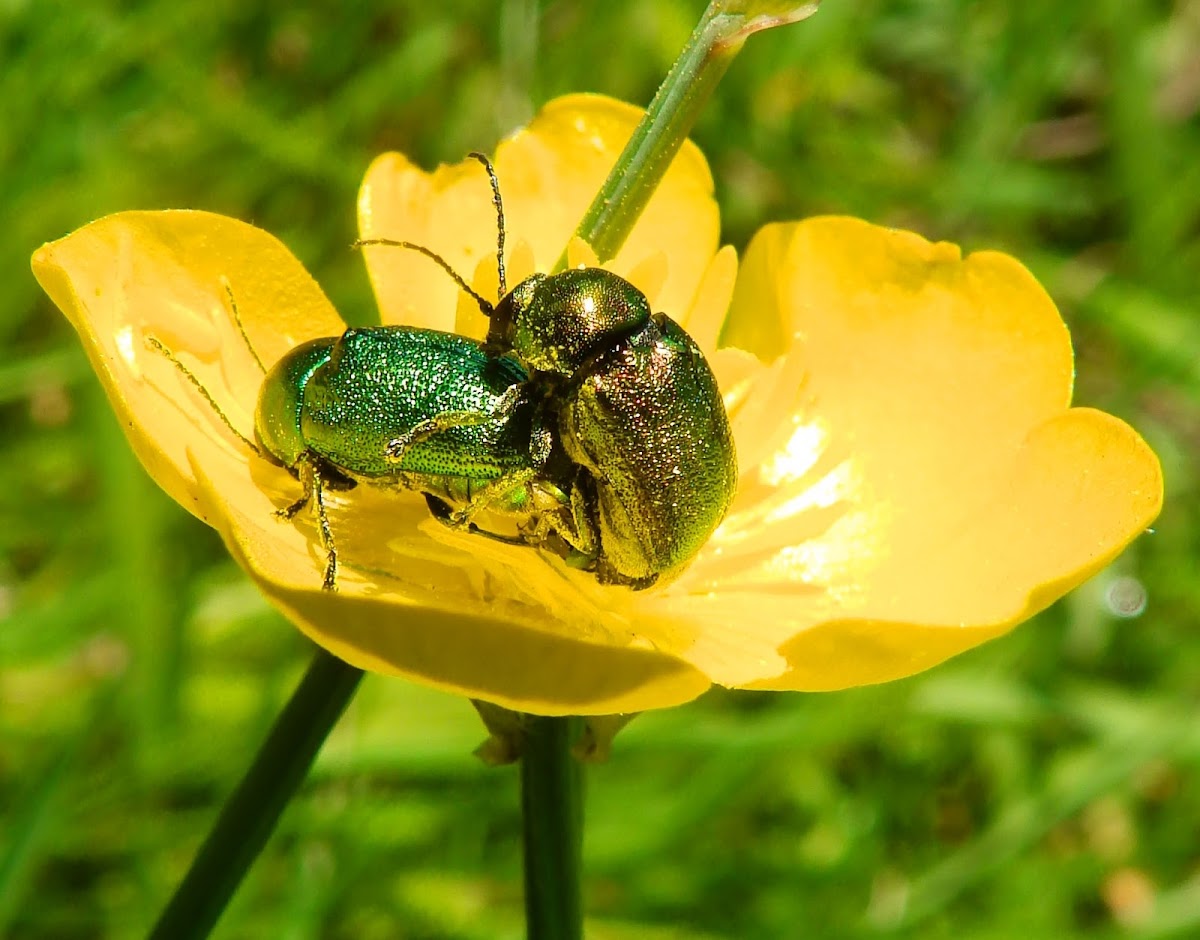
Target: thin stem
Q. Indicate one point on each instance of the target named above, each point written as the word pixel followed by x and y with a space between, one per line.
pixel 716 40
pixel 253 809
pixel 552 813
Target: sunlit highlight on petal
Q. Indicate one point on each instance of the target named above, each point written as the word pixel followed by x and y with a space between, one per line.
pixel 798 456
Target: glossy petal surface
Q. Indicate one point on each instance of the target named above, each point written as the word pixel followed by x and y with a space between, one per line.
pixel 163 275
pixel 930 487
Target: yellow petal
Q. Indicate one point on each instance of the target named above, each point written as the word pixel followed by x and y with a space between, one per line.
pixel 136 275
pixel 446 614
pixel 913 481
pixel 706 313
pixel 448 211
pixel 549 172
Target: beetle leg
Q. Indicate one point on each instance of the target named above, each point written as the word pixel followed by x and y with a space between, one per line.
pixel 288 513
pixel 442 513
pixel 313 481
pixel 587 539
pixel 331 560
pixel 423 430
pixel 541 439
pixel 572 524
pixel 491 494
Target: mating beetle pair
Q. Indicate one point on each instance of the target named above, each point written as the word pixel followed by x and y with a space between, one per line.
pixel 637 412
pixel 594 422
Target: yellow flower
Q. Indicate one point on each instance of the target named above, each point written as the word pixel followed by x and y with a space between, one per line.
pixel 912 478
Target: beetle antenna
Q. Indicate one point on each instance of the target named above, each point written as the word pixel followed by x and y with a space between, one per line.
pixel 484 305
pixel 156 344
pixel 237 318
pixel 499 204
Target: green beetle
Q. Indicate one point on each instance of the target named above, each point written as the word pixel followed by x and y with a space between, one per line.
pixel 405 407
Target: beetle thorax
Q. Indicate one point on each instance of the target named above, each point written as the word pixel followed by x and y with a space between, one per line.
pixel 568 318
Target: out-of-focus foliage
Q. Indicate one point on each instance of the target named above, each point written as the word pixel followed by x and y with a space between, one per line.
pixel 1045 785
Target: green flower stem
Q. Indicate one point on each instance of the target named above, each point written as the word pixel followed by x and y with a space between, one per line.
pixel 717 38
pixel 552 812
pixel 251 812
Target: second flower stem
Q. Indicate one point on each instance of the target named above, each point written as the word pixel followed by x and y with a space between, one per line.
pixel 253 809
pixel 552 815
pixel 710 49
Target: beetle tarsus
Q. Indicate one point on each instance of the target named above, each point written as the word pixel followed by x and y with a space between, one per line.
pixel 288 513
pixel 442 512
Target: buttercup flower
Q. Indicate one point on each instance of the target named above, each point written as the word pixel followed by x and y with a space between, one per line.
pixel 913 480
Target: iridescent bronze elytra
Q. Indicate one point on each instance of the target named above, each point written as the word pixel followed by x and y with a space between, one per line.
pixel 637 411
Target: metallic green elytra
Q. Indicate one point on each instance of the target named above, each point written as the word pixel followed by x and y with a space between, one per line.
pixel 389 401
pixel 411 408
pixel 637 411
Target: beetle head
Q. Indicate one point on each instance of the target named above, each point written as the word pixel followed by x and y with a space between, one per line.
pixel 555 323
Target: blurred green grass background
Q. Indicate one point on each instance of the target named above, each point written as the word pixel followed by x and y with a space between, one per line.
pixel 1043 786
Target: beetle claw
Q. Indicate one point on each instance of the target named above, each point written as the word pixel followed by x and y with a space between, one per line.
pixel 331 568
pixel 288 513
